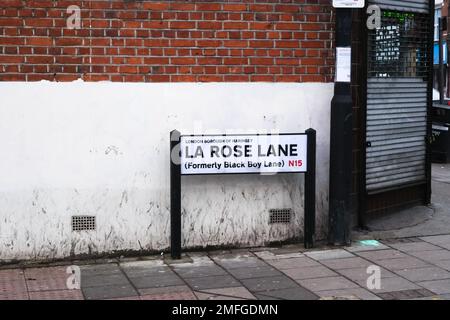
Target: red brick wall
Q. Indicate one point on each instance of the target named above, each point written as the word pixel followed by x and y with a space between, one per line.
pixel 159 41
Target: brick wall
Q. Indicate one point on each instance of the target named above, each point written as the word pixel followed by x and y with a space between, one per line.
pixel 162 41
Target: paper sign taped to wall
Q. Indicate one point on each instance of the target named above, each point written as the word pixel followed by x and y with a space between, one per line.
pixel 343 64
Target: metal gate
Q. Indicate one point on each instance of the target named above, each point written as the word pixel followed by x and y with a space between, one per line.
pixel 398 74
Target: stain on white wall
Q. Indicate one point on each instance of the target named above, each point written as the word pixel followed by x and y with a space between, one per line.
pixel 102 149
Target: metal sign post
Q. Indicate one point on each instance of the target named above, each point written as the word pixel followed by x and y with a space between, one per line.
pixel 175 195
pixel 240 154
pixel 341 128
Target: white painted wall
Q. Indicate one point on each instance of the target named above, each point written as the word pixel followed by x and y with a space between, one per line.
pixel 103 149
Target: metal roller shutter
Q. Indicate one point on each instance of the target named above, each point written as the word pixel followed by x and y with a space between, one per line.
pixel 397 93
pixel 396 130
pixel 403 5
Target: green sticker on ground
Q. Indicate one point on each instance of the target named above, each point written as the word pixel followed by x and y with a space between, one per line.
pixel 373 243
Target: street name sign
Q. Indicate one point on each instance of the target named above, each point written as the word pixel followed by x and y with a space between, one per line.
pixel 235 154
pixel 348 3
pixel 242 153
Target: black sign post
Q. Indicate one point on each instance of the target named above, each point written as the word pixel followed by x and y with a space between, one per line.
pixel 310 191
pixel 175 192
pixel 175 195
pixel 341 143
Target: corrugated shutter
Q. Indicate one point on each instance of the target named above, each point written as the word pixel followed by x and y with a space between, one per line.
pixel 420 6
pixel 396 130
pixel 397 96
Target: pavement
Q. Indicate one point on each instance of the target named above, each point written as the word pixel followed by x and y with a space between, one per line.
pixel 410 251
pixel 417 221
pixel 412 268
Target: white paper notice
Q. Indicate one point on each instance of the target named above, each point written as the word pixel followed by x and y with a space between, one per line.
pixel 343 64
pixel 348 3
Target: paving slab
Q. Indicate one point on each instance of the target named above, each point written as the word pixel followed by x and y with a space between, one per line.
pixel 359 293
pixel 402 263
pixel 213 282
pixel 153 272
pixel 103 280
pixel 265 255
pixel 347 263
pixel 432 255
pixel 13 286
pixel 236 292
pixel 145 268
pixel 256 272
pixel 109 292
pixel 289 255
pixel 309 272
pixel 406 294
pixel 269 283
pixel 163 290
pixel 293 263
pixel 424 274
pixel 126 298
pixel 53 278
pixel 261 296
pixel 157 281
pixel 291 248
pixel 355 274
pixel 99 269
pixel 240 262
pixel 434 298
pixel 444 264
pixel 438 240
pixel 11 274
pixel 437 286
pixel 185 295
pixel 328 283
pixel 145 264
pixel 14 295
pixel 390 284
pixel 57 295
pixel 329 254
pixel 212 296
pixel 413 246
pixel 297 293
pixel 382 254
pixel 199 271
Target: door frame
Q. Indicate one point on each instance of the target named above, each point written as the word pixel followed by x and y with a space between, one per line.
pixel 363 197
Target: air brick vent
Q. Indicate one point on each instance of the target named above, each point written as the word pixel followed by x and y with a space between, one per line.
pixel 280 216
pixel 83 223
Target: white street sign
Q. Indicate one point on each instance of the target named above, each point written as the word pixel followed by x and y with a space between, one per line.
pixel 348 3
pixel 226 154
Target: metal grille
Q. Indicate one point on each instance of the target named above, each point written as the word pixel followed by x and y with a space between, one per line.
pixel 397 91
pixel 280 216
pixel 400 47
pixel 82 223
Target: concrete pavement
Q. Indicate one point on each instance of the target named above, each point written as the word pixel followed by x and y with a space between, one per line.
pixel 412 268
pixel 417 221
pixel 413 258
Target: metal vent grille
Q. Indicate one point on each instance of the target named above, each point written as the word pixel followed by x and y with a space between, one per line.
pixel 83 223
pixel 280 216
